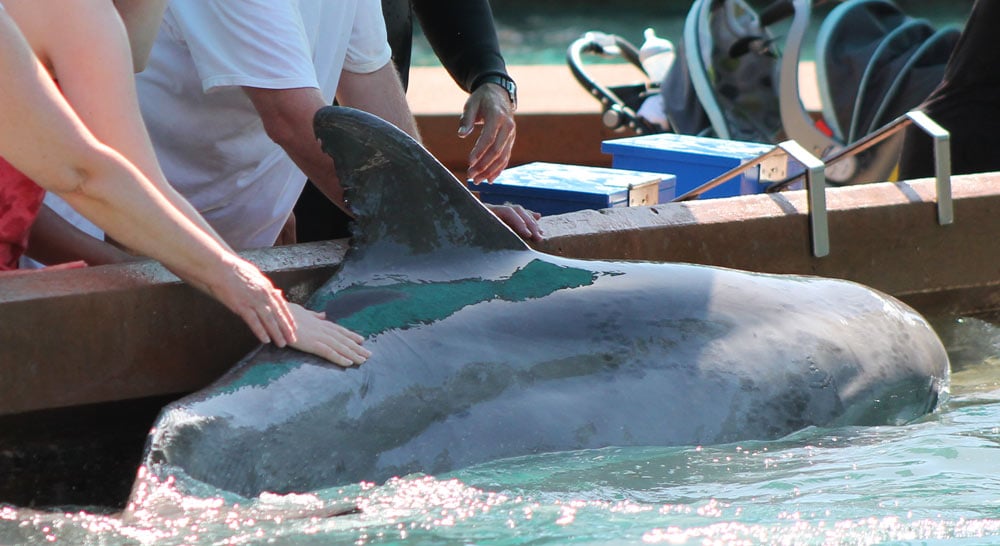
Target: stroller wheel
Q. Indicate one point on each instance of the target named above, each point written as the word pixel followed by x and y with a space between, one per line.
pixel 614 117
pixel 841 172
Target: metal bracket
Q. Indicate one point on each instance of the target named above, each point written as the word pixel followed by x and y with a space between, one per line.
pixel 942 163
pixel 819 227
pixel 942 157
pixel 815 175
pixel 815 189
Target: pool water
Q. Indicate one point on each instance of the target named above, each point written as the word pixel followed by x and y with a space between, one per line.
pixel 533 33
pixel 930 482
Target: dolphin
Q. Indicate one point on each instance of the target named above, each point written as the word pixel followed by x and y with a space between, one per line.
pixel 484 348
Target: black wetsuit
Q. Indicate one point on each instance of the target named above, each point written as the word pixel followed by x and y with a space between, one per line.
pixel 464 38
pixel 966 103
pixel 461 32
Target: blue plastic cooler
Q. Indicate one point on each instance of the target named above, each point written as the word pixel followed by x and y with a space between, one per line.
pixel 693 160
pixel 554 188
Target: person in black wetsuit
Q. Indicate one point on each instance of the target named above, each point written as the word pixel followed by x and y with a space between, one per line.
pixel 966 103
pixel 464 38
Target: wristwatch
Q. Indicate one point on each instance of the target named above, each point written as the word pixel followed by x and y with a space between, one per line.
pixel 503 81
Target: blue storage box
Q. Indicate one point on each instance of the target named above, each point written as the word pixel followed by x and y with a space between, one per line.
pixel 553 188
pixel 693 160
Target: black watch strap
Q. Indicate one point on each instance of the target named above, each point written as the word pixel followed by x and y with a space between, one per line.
pixel 503 81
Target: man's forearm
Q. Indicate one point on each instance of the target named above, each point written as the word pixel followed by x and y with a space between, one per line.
pixel 463 35
pixel 379 93
pixel 288 116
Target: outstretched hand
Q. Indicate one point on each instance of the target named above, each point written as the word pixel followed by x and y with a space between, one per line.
pixel 326 339
pixel 489 105
pixel 252 296
pixel 524 222
pixel 249 294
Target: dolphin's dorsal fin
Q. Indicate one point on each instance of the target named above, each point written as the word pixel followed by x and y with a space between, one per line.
pixel 405 201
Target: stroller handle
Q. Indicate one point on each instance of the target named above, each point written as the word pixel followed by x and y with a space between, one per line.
pixel 608 45
pixel 616 113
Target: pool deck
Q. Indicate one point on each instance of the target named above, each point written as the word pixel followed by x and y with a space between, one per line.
pixel 163 337
pixel 557 119
pixel 168 338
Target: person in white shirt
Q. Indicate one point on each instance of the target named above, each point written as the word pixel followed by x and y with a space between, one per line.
pixel 225 77
pixel 230 92
pixel 228 97
pixel 464 38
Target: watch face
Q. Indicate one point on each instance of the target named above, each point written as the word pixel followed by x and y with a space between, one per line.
pixel 511 88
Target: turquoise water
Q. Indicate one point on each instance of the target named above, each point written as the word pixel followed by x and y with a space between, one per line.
pixel 930 482
pixel 535 33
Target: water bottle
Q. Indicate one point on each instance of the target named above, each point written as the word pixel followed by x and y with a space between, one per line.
pixel 656 55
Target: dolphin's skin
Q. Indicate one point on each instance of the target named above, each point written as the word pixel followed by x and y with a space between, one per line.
pixel 483 348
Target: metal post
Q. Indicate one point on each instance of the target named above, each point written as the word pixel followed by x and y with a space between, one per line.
pixel 819 227
pixel 815 189
pixel 942 163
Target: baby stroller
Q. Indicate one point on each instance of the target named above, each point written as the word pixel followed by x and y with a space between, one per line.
pixel 731 79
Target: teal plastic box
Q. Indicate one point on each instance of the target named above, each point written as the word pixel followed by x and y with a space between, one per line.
pixel 693 160
pixel 554 188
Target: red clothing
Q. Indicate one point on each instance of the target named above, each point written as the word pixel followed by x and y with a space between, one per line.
pixel 20 199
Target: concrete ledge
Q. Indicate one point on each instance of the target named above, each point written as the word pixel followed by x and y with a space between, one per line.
pixel 101 334
pixel 882 235
pixel 129 331
pixel 111 333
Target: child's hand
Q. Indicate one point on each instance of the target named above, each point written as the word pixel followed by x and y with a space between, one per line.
pixel 323 338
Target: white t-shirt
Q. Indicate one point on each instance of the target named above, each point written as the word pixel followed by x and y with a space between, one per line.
pixel 208 137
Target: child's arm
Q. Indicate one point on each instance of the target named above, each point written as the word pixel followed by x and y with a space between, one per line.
pixel 53 239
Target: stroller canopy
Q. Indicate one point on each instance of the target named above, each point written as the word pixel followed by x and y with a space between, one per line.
pixel 724 83
pixel 874 63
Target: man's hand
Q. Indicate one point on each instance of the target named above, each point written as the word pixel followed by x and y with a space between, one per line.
pixel 523 221
pixel 489 105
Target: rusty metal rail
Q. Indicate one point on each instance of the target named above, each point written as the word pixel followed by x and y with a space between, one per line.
pixel 815 189
pixel 815 179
